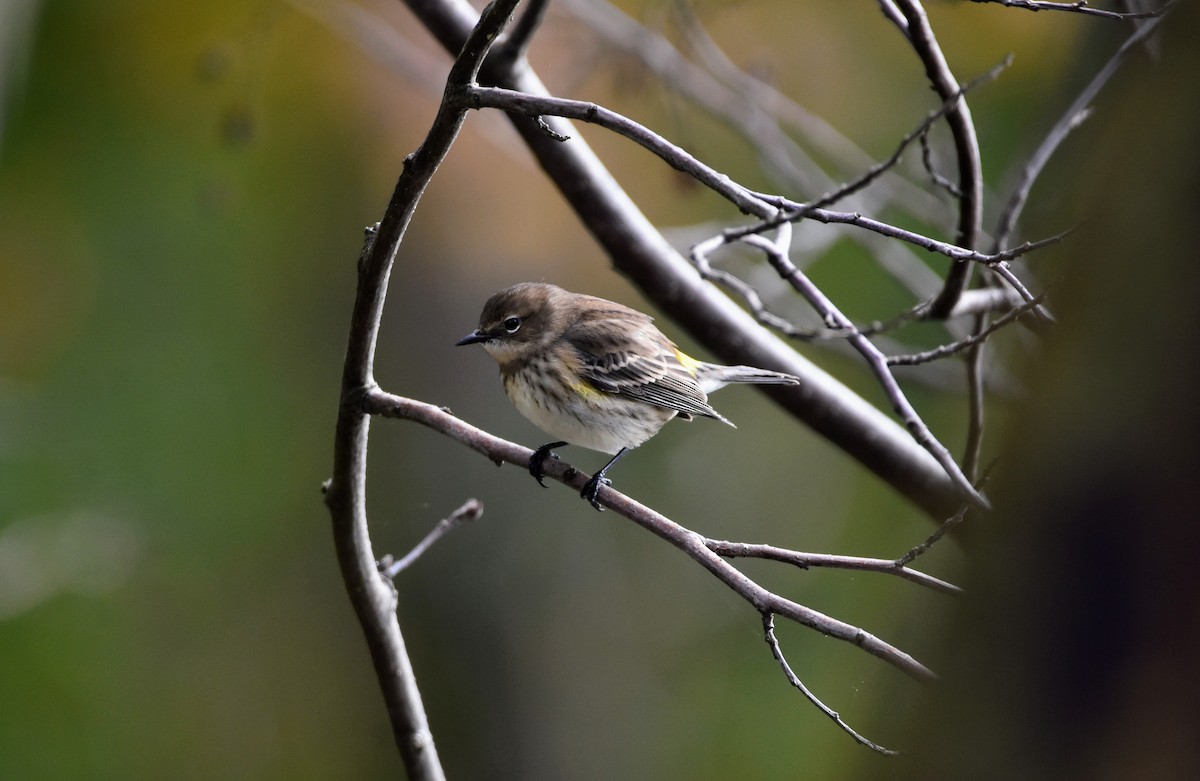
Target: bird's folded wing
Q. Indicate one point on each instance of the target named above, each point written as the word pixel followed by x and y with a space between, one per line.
pixel 640 368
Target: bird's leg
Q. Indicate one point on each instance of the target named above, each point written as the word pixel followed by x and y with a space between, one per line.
pixel 592 487
pixel 540 455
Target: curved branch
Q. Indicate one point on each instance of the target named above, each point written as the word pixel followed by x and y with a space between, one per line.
pixel 966 147
pixel 373 597
pixel 777 651
pixel 501 451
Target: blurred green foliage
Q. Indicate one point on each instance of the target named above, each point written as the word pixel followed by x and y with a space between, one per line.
pixel 182 192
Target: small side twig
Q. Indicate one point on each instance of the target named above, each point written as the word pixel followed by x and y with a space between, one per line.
pixel 470 511
pixel 769 635
pixel 976 338
pixel 1079 7
pixel 924 546
pixel 804 560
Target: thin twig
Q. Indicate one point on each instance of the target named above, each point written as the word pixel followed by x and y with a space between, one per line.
pixel 1079 7
pixel 930 168
pixel 920 132
pixel 931 540
pixel 1075 114
pixel 805 560
pixel 769 635
pixel 976 396
pixel 794 211
pixel 470 511
pixel 977 337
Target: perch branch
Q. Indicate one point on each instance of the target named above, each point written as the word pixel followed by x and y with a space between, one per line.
pixel 501 451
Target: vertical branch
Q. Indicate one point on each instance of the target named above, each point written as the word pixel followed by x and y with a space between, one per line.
pixel 966 147
pixel 373 598
pixel 976 389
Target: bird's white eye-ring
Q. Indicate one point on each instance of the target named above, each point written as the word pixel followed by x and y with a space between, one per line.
pixel 512 324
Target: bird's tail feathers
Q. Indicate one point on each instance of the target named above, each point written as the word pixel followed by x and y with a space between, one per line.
pixel 712 376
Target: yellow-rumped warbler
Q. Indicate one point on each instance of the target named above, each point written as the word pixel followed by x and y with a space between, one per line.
pixel 594 373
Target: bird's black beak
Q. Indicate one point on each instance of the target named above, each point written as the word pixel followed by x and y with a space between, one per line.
pixel 478 335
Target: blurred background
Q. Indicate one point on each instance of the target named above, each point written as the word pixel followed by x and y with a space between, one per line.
pixel 183 189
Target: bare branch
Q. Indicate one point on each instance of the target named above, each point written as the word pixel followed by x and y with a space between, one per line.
pixel 516 45
pixel 966 145
pixel 976 338
pixel 935 176
pixel 372 596
pixel 976 390
pixel 1079 7
pixel 470 511
pixel 794 680
pixel 501 451
pixel 746 200
pixel 535 106
pixel 805 560
pixel 931 540
pixel 920 132
pixel 748 105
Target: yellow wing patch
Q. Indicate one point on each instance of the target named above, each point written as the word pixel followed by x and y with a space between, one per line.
pixel 688 362
pixel 585 390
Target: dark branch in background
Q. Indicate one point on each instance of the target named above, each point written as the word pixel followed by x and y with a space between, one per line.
pixel 1075 115
pixel 372 596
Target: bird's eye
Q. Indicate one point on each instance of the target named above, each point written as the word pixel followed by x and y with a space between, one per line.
pixel 512 324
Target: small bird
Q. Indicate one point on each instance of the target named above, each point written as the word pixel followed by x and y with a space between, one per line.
pixel 594 373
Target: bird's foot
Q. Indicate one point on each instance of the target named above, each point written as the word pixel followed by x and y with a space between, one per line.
pixel 592 488
pixel 538 457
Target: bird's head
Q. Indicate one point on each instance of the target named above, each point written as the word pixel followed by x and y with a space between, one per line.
pixel 520 321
